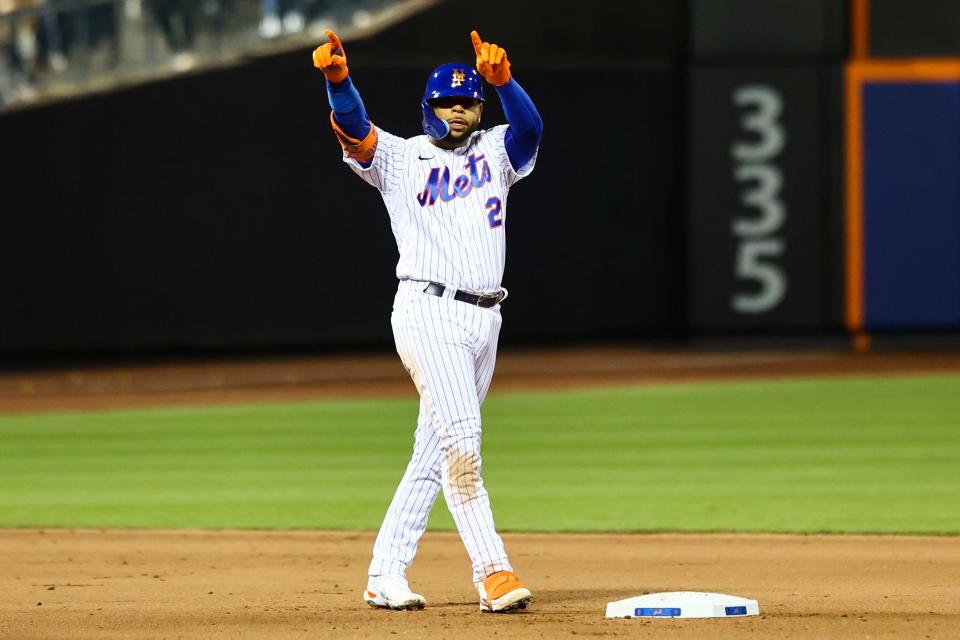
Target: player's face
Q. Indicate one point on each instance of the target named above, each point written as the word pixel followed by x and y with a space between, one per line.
pixel 461 114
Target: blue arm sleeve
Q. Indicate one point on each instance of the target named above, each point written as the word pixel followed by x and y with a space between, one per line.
pixel 348 108
pixel 526 127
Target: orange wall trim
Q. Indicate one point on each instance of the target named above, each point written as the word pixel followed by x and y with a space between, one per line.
pixel 854 198
pixel 860 28
pixel 859 72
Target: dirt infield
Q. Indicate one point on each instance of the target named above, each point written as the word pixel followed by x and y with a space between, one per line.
pixel 148 584
pixel 130 585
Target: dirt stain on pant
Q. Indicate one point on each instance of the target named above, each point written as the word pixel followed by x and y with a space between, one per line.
pixel 462 467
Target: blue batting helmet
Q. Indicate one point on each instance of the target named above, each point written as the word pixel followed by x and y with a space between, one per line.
pixel 451 79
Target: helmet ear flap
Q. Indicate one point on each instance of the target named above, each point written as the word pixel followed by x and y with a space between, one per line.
pixel 432 125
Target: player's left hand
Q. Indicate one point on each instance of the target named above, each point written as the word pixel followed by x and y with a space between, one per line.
pixel 492 61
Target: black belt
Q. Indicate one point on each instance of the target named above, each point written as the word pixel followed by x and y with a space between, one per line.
pixel 437 289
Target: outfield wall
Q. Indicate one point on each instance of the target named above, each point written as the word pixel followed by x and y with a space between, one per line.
pixel 691 182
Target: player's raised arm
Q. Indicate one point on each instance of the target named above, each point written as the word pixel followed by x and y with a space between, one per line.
pixel 349 119
pixel 526 126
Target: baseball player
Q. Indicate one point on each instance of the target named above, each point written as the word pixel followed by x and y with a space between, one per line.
pixel 446 194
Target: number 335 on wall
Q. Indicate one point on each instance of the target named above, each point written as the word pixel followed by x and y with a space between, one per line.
pixel 760 181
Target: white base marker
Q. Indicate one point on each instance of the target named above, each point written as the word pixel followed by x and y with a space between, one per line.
pixel 683 604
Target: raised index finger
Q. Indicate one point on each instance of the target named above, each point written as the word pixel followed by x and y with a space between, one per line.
pixel 334 40
pixel 477 42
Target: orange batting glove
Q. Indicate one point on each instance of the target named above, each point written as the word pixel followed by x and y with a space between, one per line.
pixel 492 61
pixel 327 59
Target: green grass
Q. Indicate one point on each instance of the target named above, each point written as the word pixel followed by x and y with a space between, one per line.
pixel 843 455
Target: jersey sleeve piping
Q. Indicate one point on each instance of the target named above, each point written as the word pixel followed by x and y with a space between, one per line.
pixel 360 150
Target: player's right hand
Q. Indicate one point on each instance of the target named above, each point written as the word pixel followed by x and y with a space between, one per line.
pixel 331 59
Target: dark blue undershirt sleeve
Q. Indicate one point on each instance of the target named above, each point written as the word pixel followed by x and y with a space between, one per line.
pixel 526 127
pixel 348 108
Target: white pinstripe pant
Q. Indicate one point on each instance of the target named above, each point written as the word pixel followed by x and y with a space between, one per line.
pixel 449 348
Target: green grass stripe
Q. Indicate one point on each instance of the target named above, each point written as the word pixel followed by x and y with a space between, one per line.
pixel 841 455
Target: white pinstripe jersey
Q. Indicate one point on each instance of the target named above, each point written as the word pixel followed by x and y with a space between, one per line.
pixel 448 208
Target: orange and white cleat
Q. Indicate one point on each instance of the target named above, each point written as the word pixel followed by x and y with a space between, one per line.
pixel 502 592
pixel 392 592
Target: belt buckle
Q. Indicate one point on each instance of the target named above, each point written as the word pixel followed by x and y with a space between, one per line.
pixel 493 299
pixel 481 300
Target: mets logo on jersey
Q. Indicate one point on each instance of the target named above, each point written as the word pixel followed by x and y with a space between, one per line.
pixel 458 77
pixel 438 183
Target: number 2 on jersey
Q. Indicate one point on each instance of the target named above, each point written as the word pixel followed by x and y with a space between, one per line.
pixel 493 215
